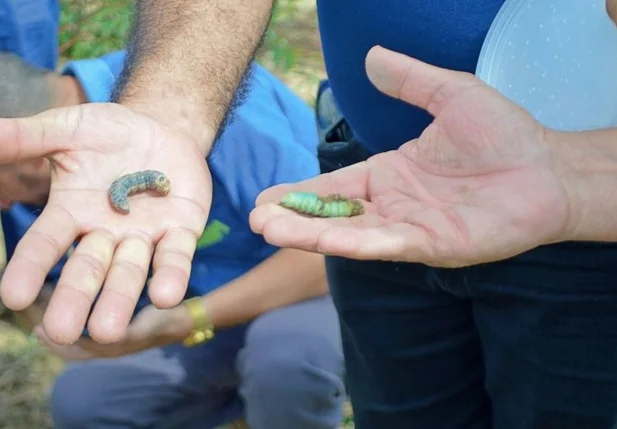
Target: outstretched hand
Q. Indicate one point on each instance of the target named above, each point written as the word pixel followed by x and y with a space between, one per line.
pixel 477 186
pixel 89 146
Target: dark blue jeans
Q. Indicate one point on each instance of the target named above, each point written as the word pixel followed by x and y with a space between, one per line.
pixel 529 342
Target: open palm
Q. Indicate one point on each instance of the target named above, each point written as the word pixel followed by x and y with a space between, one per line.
pixel 476 186
pixel 89 147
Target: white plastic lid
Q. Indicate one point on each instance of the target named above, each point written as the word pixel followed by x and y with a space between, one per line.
pixel 556 58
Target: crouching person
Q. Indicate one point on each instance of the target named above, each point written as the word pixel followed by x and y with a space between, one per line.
pixel 270 350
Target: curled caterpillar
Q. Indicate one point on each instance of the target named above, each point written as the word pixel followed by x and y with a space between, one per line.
pixel 333 205
pixel 129 184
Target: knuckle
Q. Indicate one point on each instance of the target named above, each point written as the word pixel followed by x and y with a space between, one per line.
pixel 86 294
pixel 98 259
pixel 172 258
pixel 134 250
pixel 180 239
pixel 50 245
pixel 129 270
pixel 94 265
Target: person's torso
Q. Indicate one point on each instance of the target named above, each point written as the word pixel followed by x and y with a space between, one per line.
pixel 29 28
pixel 446 33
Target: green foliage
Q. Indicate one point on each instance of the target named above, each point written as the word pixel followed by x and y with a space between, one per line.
pixel 277 47
pixel 93 28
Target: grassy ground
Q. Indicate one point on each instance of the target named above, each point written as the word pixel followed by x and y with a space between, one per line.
pixel 26 370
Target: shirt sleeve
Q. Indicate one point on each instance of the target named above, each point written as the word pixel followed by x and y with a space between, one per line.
pixel 97 76
pixel 272 139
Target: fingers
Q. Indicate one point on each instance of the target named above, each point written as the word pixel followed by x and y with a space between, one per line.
pixel 287 229
pixel 78 285
pixel 35 255
pixel 35 136
pixel 123 286
pixel 414 81
pixel 279 225
pixel 95 260
pixel 172 267
pixel 349 181
pixel 73 352
pixel 366 237
pixel 394 242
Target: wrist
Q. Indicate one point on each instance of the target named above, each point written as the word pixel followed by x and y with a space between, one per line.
pixel 586 164
pixel 181 323
pixel 561 148
pixel 68 91
pixel 179 114
pixel 197 324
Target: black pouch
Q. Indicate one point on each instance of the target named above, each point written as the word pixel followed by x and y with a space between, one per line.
pixel 338 147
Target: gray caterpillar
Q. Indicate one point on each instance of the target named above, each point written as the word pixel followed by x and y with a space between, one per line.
pixel 129 184
pixel 333 205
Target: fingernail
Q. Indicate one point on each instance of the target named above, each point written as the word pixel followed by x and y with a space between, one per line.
pixel 376 68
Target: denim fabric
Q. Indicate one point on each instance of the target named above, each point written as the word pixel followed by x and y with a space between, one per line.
pixel 521 344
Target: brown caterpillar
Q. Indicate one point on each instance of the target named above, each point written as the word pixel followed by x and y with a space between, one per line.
pixel 129 184
pixel 333 205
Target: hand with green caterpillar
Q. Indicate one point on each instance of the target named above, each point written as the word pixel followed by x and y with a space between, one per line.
pixel 483 182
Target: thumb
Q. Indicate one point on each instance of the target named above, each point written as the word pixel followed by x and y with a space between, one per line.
pixel 416 82
pixel 35 136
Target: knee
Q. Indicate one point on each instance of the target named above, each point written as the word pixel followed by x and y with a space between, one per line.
pixel 301 372
pixel 73 399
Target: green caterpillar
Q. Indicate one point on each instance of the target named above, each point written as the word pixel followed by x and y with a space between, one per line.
pixel 333 205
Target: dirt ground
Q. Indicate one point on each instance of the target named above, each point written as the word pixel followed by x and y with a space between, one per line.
pixel 26 370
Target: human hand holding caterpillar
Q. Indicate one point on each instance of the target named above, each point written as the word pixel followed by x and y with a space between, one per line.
pixel 484 182
pixel 90 146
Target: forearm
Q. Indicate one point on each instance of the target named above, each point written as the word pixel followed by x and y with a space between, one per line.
pixel 287 277
pixel 587 164
pixel 186 59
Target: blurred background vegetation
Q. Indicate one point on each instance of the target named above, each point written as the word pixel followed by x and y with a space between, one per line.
pixel 91 28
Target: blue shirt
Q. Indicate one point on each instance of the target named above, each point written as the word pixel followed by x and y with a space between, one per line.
pixel 272 139
pixel 29 28
pixel 446 33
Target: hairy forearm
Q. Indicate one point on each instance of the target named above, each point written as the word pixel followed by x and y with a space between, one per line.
pixel 287 277
pixel 186 59
pixel 587 164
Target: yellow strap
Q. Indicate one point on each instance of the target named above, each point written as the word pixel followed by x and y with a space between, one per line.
pixel 203 330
